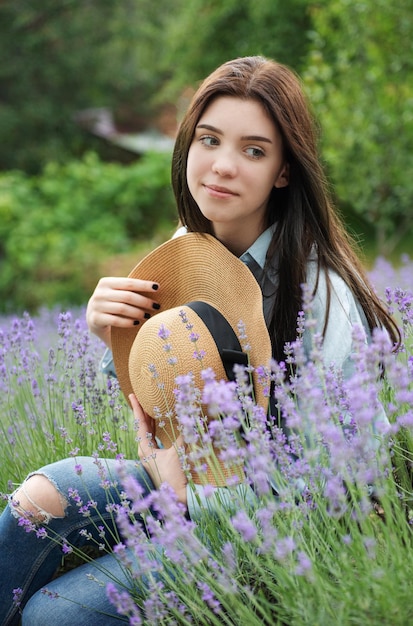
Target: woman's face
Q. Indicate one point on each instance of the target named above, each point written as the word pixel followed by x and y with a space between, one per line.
pixel 234 161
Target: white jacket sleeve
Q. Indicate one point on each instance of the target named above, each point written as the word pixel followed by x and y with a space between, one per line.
pixel 344 315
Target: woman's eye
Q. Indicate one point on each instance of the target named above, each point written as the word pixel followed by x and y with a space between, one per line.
pixel 255 153
pixel 208 140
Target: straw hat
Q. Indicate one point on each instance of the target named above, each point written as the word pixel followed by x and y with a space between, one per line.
pixel 201 282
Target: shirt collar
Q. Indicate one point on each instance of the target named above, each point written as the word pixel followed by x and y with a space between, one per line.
pixel 259 248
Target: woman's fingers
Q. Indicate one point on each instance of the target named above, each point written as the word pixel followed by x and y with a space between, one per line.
pixel 120 302
pixel 111 294
pixel 146 428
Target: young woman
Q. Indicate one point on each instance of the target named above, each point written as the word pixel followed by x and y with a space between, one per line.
pixel 245 170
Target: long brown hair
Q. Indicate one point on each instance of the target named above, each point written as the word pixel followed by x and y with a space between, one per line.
pixel 303 210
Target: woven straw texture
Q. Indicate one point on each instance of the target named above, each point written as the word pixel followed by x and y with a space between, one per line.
pixel 153 376
pixel 198 267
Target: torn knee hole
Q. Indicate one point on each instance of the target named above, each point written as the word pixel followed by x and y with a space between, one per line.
pixel 39 500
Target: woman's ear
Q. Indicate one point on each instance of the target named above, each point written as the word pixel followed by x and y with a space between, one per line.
pixel 283 177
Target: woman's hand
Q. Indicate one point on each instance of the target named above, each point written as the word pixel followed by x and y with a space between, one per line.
pixel 162 464
pixel 120 302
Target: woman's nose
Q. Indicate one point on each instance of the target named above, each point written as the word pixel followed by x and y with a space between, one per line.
pixel 224 164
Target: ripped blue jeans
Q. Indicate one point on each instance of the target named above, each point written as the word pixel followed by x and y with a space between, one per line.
pixel 29 563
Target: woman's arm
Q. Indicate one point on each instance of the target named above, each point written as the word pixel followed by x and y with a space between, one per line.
pixel 162 464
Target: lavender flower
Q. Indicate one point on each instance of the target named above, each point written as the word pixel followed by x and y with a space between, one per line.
pixel 318 467
pixel 244 526
pixel 17 596
pixel 124 604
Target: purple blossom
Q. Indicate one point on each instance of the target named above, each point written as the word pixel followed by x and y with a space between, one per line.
pixel 124 603
pixel 17 596
pixel 41 533
pixel 221 398
pixel 284 548
pixel 53 595
pixel 188 409
pixel 66 548
pixel 244 526
pixel 27 524
pixel 133 489
pixel 199 355
pixel 209 597
pixel 110 445
pixel 163 332
pixel 304 564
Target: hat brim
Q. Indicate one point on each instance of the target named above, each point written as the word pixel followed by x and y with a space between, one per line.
pixel 196 266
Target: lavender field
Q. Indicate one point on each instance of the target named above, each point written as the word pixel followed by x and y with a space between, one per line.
pixel 335 547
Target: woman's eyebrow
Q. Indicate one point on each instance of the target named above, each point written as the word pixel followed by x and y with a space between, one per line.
pixel 255 138
pixel 211 128
pixel 243 138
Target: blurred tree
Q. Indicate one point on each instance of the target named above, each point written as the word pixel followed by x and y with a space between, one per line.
pixel 360 79
pixel 209 32
pixel 61 57
pixel 57 228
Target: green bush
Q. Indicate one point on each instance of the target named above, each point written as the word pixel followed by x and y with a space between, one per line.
pixel 56 228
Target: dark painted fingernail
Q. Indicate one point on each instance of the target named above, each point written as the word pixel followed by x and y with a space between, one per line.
pixel 135 322
pixel 155 287
pixel 147 316
pixel 156 306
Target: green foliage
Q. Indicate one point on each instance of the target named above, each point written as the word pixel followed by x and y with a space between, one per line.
pixel 360 79
pixel 230 29
pixel 66 56
pixel 131 57
pixel 70 56
pixel 55 228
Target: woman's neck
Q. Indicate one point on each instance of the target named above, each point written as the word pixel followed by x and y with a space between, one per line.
pixel 237 241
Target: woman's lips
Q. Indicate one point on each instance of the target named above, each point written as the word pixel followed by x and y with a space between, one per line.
pixel 219 192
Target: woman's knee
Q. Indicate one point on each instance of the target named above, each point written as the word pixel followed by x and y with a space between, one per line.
pixel 39 500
